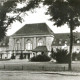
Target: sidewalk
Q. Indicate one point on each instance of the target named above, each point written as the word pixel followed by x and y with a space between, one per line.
pixel 65 73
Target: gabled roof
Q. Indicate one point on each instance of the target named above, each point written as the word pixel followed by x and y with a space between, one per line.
pixel 65 37
pixel 40 49
pixel 34 29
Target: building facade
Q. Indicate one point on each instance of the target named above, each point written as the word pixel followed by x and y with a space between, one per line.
pixel 4 47
pixel 62 40
pixel 30 39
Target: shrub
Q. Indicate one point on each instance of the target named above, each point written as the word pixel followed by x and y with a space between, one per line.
pixel 74 56
pixel 21 56
pixel 53 54
pixel 78 56
pixel 61 56
pixel 40 58
pixel 12 56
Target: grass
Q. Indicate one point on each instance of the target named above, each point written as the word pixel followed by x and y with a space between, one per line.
pixel 36 66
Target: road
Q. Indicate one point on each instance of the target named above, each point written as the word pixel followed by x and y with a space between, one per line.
pixel 33 75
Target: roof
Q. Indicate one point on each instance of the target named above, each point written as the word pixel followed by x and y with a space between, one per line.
pixel 34 29
pixel 4 42
pixel 65 37
pixel 40 49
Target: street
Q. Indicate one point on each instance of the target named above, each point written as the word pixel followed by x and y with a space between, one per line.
pixel 33 75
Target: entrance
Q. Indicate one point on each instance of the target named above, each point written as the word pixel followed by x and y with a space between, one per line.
pixel 27 56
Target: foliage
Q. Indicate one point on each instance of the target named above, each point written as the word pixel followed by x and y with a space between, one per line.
pixel 12 56
pixel 74 56
pixel 8 6
pixel 61 56
pixel 53 53
pixel 21 56
pixel 40 58
pixel 61 11
pixel 78 56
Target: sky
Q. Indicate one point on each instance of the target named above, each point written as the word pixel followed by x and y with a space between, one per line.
pixel 38 17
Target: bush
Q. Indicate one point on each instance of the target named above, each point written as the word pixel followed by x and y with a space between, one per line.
pixel 61 56
pixel 12 56
pixel 78 56
pixel 74 56
pixel 21 56
pixel 53 54
pixel 40 58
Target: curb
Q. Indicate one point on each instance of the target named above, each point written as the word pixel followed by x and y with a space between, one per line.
pixel 60 73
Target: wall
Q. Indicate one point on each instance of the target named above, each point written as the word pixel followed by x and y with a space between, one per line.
pixel 49 42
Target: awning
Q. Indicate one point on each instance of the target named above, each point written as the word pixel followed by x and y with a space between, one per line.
pixel 40 49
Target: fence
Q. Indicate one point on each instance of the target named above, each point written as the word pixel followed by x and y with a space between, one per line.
pixel 33 68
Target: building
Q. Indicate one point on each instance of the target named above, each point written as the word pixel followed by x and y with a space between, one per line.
pixel 31 39
pixel 4 47
pixel 62 40
pixel 2 2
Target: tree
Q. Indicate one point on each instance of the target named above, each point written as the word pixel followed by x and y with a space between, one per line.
pixel 8 6
pixel 53 54
pixel 21 56
pixel 61 11
pixel 65 12
pixel 61 56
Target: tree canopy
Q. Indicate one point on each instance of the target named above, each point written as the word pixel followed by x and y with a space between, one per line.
pixel 61 11
pixel 9 6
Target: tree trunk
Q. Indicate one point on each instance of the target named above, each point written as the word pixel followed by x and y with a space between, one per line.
pixel 71 44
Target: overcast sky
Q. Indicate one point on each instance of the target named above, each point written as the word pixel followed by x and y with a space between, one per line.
pixel 38 17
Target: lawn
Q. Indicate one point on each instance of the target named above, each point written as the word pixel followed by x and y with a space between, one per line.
pixel 36 66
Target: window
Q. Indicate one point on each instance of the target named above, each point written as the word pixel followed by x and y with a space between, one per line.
pixel 40 42
pixel 66 42
pixel 18 44
pixel 28 45
pixel 78 41
pixel 4 44
pixel 59 42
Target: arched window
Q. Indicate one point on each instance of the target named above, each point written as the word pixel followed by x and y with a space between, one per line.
pixel 40 42
pixel 28 45
pixel 18 44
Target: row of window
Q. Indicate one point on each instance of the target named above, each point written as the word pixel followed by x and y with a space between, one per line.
pixel 28 45
pixel 3 44
pixel 60 42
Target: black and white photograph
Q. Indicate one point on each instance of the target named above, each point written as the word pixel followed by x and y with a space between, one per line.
pixel 39 39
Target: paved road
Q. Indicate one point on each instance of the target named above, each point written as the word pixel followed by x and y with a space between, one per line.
pixel 30 75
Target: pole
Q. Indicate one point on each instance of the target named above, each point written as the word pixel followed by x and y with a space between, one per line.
pixel 70 53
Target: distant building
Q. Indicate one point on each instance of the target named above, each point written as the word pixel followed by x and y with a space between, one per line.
pixel 31 39
pixel 4 47
pixel 62 40
pixel 2 2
